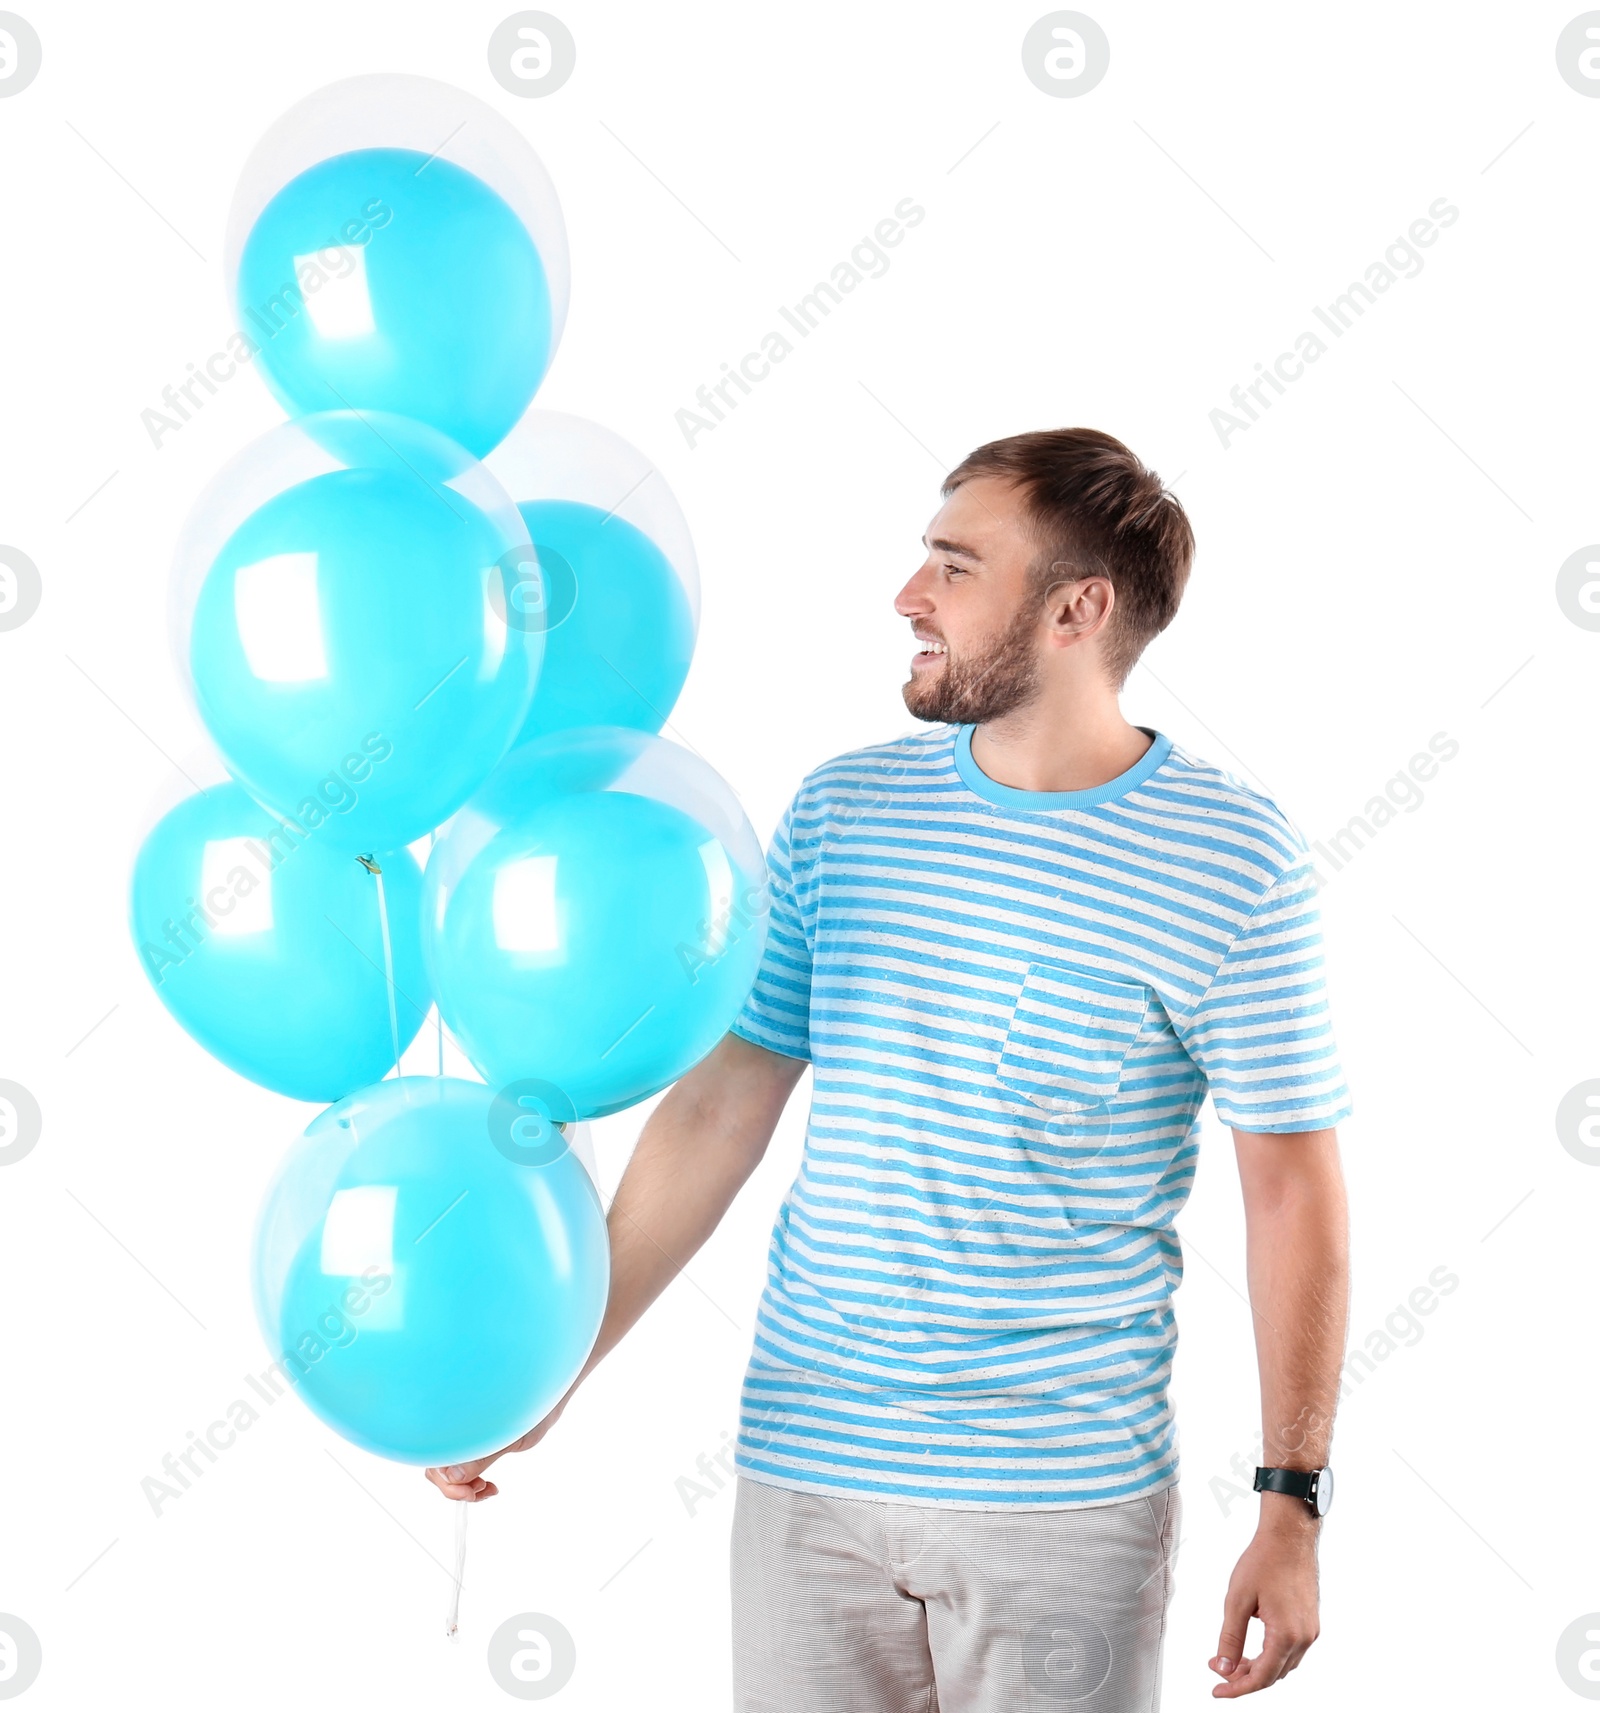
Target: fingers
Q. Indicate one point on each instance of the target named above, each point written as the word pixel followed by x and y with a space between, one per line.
pixel 465 1480
pixel 470 1487
pixel 1280 1654
pixel 1248 1676
pixel 467 1471
pixel 1237 1610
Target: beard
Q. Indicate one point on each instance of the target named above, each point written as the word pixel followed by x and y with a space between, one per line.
pixel 997 680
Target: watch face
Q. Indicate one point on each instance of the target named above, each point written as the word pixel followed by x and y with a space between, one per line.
pixel 1324 1492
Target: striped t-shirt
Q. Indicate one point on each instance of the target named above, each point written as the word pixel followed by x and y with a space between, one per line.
pixel 1014 1003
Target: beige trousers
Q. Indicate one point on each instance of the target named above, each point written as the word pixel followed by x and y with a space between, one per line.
pixel 864 1606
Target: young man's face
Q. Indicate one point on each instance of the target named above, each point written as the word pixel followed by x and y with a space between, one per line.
pixel 970 605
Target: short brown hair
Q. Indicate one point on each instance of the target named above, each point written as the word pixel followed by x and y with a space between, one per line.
pixel 1094 506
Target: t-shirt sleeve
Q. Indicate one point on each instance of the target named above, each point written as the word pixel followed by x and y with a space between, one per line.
pixel 1261 1033
pixel 777 1015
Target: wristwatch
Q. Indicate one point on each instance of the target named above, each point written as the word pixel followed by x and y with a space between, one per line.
pixel 1315 1486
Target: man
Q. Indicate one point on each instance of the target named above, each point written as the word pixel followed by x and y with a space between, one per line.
pixel 1017 950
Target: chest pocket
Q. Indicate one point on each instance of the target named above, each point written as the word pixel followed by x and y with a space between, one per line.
pixel 1069 1034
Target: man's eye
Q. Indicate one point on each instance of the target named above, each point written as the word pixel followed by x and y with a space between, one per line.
pixel 957 570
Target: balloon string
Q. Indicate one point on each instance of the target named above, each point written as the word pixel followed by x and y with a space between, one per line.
pixel 453 1622
pixel 370 864
pixel 438 1014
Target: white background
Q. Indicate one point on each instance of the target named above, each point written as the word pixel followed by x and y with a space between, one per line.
pixel 1377 562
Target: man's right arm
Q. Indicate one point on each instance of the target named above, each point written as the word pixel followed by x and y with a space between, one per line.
pixel 693 1156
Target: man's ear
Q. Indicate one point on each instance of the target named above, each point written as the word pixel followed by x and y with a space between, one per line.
pixel 1078 607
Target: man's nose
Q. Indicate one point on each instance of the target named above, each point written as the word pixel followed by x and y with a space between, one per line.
pixel 913 600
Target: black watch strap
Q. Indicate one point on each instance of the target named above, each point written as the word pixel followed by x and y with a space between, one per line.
pixel 1315 1486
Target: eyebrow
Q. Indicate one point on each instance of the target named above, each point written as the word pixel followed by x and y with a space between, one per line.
pixel 942 545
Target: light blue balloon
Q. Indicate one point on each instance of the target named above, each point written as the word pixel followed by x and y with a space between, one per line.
pixel 594 918
pixel 384 279
pixel 268 946
pixel 349 646
pixel 430 1275
pixel 620 632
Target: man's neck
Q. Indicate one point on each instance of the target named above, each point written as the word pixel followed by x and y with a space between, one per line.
pixel 1063 748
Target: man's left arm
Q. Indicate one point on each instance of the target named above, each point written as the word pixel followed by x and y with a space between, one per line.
pixel 1298 1266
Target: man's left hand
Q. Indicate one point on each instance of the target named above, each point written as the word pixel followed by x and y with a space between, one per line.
pixel 1275 1581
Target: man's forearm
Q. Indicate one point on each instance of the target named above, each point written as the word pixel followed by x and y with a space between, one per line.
pixel 692 1158
pixel 1299 1289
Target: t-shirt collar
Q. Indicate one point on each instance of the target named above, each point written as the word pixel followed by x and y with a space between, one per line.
pixel 1008 797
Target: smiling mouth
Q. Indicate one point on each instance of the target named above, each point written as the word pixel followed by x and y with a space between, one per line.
pixel 930 652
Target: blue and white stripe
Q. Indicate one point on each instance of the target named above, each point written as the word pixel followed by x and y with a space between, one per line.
pixel 1014 1004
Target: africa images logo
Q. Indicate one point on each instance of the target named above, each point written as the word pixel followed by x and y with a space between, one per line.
pixel 1402 260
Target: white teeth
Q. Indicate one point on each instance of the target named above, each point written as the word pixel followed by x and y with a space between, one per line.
pixel 932 647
